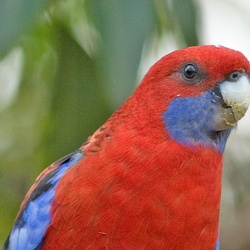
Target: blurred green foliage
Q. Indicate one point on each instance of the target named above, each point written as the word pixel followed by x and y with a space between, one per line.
pixel 78 61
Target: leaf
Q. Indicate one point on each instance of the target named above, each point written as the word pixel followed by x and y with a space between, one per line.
pixel 15 18
pixel 185 17
pixel 78 105
pixel 124 27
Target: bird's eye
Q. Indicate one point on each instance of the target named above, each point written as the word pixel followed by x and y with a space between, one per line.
pixel 190 71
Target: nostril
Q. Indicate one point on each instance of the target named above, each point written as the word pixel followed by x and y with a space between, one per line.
pixel 234 76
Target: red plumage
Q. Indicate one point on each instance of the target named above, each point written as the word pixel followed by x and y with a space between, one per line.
pixel 138 198
pixel 136 187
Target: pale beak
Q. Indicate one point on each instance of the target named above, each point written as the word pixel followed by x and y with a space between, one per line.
pixel 236 100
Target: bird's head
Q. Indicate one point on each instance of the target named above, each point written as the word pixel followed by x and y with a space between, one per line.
pixel 200 93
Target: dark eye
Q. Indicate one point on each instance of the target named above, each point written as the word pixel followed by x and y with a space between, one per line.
pixel 190 71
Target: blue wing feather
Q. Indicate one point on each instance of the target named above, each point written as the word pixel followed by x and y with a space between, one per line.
pixel 217 246
pixel 34 218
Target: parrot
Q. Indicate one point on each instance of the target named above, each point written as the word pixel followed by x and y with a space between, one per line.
pixel 150 177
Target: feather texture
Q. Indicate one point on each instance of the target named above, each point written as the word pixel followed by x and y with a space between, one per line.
pixel 150 177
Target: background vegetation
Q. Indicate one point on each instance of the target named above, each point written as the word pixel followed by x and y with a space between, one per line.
pixel 65 67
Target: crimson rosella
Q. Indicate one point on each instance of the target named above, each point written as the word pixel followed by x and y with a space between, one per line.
pixel 150 177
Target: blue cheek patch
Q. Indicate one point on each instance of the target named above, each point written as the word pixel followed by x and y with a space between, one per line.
pixel 190 121
pixel 32 222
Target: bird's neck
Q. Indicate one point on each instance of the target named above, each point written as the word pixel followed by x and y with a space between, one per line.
pixel 182 181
